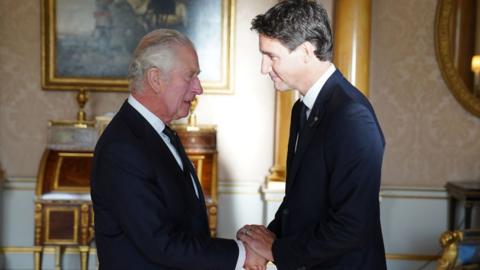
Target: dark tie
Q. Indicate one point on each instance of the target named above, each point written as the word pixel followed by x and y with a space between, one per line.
pixel 303 116
pixel 187 164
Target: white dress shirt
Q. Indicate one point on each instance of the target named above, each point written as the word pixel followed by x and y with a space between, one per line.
pixel 312 93
pixel 159 126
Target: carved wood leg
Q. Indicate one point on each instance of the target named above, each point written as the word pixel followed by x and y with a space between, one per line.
pixel 84 257
pixel 58 258
pixel 212 219
pixel 37 257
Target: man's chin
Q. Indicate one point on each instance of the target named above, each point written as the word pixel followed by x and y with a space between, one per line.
pixel 182 113
pixel 281 87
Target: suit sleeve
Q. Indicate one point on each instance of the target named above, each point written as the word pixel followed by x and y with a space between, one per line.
pixel 127 184
pixel 353 154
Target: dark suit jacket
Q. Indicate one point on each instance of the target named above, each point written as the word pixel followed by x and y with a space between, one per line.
pixel 147 215
pixel 330 217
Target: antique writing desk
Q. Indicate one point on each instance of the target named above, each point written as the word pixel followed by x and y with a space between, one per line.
pixel 63 209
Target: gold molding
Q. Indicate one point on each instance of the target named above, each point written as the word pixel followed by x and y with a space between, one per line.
pixel 41 172
pixel 442 51
pixel 56 179
pixel 411 257
pixel 46 250
pixel 50 81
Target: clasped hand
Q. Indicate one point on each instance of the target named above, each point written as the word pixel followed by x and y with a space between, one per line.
pixel 258 241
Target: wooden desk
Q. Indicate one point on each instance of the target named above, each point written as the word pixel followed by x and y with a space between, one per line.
pixel 63 209
pixel 468 192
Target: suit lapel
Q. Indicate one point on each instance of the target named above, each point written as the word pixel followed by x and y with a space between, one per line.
pixel 294 159
pixel 303 141
pixel 160 151
pixel 142 129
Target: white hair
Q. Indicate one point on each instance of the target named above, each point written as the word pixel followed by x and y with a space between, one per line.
pixel 156 49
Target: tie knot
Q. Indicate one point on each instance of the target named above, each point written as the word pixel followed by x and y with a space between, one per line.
pixel 171 134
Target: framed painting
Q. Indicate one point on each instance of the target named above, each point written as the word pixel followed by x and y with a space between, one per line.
pixel 87 44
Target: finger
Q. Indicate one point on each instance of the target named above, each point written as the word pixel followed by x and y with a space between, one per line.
pixel 263 228
pixel 265 231
pixel 245 238
pixel 240 232
pixel 257 233
pixel 248 240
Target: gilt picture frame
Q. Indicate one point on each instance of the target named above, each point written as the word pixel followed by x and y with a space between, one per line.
pixel 87 44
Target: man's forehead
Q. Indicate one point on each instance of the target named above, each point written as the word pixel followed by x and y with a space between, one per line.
pixel 266 44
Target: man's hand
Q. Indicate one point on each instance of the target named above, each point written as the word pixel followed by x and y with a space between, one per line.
pixel 254 261
pixel 258 238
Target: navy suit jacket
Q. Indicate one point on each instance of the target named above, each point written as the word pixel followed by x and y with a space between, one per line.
pixel 330 217
pixel 147 215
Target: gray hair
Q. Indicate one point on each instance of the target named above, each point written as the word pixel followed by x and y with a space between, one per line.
pixel 156 49
pixel 293 22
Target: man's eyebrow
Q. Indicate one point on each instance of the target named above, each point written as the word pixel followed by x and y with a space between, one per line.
pixel 192 73
pixel 267 53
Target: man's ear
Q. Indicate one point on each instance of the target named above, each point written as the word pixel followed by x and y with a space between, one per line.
pixel 308 50
pixel 154 79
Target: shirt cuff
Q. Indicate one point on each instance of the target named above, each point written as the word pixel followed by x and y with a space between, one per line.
pixel 241 255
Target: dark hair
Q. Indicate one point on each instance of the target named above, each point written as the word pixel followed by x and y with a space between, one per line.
pixel 293 22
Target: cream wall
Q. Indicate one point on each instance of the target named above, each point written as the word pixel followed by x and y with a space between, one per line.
pixel 430 138
pixel 245 119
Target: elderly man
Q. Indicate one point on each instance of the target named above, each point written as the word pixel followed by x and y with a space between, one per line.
pixel 149 208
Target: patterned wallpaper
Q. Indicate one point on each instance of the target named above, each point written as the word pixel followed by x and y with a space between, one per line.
pixel 431 139
pixel 24 108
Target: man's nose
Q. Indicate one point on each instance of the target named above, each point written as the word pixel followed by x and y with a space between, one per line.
pixel 197 88
pixel 266 65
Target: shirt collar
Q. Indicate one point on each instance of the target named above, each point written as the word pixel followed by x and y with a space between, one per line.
pixel 312 93
pixel 151 118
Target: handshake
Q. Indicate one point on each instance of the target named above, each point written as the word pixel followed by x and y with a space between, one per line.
pixel 258 241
